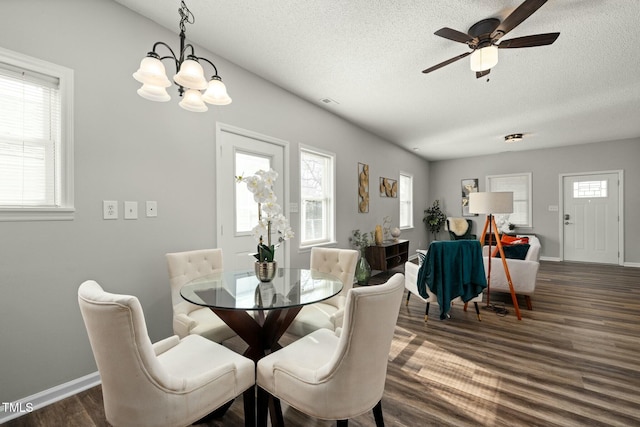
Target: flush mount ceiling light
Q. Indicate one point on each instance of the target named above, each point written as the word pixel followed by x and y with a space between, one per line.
pixel 514 137
pixel 189 74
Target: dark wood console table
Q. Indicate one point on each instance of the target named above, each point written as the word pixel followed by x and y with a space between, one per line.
pixel 388 255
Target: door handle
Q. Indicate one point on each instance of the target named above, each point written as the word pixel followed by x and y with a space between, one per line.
pixel 567 223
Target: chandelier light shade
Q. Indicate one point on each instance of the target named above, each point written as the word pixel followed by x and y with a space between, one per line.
pixel 216 93
pixel 484 58
pixel 192 101
pixel 189 74
pixel 154 93
pixel 491 203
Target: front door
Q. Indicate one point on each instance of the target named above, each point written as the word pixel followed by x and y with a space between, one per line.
pixel 241 152
pixel 590 220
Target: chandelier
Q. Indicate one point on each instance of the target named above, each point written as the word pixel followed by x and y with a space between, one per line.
pixel 189 74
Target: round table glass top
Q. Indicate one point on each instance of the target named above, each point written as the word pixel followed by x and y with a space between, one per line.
pixel 241 290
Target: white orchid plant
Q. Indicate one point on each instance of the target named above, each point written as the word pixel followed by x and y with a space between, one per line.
pixel 269 213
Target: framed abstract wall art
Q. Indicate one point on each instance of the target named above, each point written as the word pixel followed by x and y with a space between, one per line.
pixel 388 187
pixel 468 186
pixel 363 188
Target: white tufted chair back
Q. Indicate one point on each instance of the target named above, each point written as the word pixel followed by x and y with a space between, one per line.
pixel 189 265
pixel 190 318
pixel 337 262
pixel 328 313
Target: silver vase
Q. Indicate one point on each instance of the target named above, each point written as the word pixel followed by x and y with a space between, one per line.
pixel 265 271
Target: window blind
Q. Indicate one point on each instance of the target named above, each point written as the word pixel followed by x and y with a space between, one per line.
pixel 30 137
pixel 519 185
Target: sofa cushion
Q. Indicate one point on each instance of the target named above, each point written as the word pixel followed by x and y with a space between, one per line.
pixel 507 240
pixel 513 240
pixel 518 251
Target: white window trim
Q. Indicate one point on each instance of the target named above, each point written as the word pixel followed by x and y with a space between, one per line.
pixel 66 209
pixel 408 227
pixel 529 190
pixel 305 246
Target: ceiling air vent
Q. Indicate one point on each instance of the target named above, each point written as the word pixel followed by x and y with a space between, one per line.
pixel 329 101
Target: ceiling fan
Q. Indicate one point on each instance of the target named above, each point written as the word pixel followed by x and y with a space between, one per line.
pixel 483 37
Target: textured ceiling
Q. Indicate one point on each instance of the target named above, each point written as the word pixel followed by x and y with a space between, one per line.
pixel 368 56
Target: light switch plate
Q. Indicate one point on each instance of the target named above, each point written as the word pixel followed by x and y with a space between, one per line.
pixel 130 210
pixel 152 209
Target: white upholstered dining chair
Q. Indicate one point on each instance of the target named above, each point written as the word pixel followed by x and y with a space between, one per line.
pixel 337 375
pixel 190 318
pixel 327 314
pixel 173 382
pixel 411 284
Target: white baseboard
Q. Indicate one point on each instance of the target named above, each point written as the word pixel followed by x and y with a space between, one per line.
pixel 49 396
pixel 550 258
pixel 632 264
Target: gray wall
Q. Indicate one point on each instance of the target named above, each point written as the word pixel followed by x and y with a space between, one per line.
pixel 127 148
pixel 546 167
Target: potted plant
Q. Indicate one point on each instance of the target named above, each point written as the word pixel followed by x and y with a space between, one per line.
pixel 434 219
pixel 269 216
pixel 361 241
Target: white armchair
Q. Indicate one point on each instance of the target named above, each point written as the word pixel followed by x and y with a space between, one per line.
pixel 329 313
pixel 411 285
pixel 189 318
pixel 337 375
pixel 523 272
pixel 174 382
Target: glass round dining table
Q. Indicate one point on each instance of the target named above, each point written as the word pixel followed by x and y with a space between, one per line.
pixel 260 312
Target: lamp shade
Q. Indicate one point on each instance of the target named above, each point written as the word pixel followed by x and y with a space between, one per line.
pixel 152 72
pixel 191 75
pixel 485 58
pixel 216 93
pixel 154 93
pixel 192 101
pixel 491 203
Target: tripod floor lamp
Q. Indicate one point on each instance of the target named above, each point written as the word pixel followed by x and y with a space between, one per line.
pixel 492 203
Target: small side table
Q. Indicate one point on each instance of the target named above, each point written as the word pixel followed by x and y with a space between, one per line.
pixel 388 255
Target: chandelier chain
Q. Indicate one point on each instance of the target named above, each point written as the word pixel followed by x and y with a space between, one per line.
pixel 185 16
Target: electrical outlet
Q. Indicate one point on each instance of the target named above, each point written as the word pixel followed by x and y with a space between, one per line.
pixel 109 209
pixel 130 210
pixel 152 209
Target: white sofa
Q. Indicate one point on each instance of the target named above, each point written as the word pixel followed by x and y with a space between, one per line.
pixel 523 272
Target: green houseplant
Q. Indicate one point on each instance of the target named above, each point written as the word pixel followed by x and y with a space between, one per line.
pixel 434 219
pixel 361 241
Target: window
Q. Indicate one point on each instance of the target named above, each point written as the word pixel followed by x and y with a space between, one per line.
pixel 406 200
pixel 589 189
pixel 520 185
pixel 247 164
pixel 36 139
pixel 317 197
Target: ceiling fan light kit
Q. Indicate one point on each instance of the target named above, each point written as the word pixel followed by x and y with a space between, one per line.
pixel 484 37
pixel 484 59
pixel 189 74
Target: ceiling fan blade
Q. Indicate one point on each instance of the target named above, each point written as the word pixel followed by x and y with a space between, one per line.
pixel 447 62
pixel 455 35
pixel 480 74
pixel 529 41
pixel 522 12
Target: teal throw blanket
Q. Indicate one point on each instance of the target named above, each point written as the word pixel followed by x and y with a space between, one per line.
pixel 452 268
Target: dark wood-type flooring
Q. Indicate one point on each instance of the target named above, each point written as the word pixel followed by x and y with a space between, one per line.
pixel 572 361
